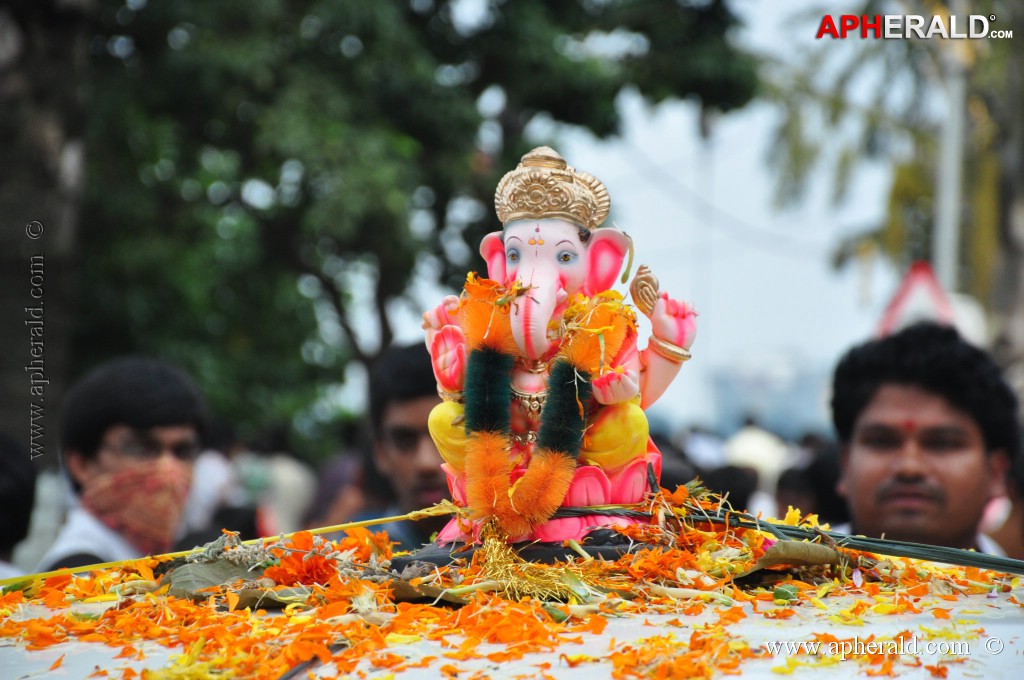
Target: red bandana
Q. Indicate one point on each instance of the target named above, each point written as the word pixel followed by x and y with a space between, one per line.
pixel 143 502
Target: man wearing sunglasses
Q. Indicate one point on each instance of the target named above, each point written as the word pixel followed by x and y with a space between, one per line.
pixel 403 391
pixel 129 435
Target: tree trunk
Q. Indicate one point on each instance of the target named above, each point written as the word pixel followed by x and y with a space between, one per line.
pixel 43 57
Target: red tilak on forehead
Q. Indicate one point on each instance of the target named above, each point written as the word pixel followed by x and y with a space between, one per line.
pixel 909 426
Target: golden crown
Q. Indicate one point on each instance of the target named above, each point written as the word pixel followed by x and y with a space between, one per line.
pixel 543 185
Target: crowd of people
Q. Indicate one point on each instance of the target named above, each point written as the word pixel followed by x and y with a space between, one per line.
pixel 926 449
pixel 761 472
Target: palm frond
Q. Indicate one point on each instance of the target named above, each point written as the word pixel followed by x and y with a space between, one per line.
pixel 882 546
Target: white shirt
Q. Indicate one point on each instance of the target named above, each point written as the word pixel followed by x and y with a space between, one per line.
pixel 988 546
pixel 8 570
pixel 213 479
pixel 84 533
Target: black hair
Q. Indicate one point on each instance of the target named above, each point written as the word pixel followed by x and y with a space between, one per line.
pixel 18 491
pixel 795 479
pixel 935 358
pixel 824 472
pixel 738 481
pixel 138 392
pixel 219 435
pixel 401 373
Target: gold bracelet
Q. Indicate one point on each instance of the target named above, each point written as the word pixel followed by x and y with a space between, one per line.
pixel 673 353
pixel 450 396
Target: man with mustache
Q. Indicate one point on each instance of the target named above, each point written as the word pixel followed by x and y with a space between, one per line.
pixel 928 427
pixel 403 391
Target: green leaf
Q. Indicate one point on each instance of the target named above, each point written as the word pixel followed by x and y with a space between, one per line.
pixel 786 592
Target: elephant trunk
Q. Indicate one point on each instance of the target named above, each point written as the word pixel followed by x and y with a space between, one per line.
pixel 531 314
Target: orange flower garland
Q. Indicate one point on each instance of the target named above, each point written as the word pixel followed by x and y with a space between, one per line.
pixel 339 617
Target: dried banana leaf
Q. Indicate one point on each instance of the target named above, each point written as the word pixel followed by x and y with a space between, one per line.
pixel 403 591
pixel 796 554
pixel 263 598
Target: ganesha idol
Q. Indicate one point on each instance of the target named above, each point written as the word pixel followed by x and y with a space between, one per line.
pixel 543 385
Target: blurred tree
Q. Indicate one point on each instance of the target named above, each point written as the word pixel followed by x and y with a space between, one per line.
pixel 42 140
pixel 885 100
pixel 267 180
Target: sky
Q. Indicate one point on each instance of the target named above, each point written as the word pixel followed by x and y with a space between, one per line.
pixel 702 216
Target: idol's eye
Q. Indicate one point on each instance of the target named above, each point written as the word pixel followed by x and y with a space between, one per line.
pixel 567 256
pixel 512 255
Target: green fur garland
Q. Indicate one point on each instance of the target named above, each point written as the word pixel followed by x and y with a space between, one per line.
pixel 565 410
pixel 487 391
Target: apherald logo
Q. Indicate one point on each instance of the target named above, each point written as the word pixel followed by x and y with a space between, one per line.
pixel 902 26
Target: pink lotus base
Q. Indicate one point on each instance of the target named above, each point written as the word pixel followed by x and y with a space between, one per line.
pixel 591 485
